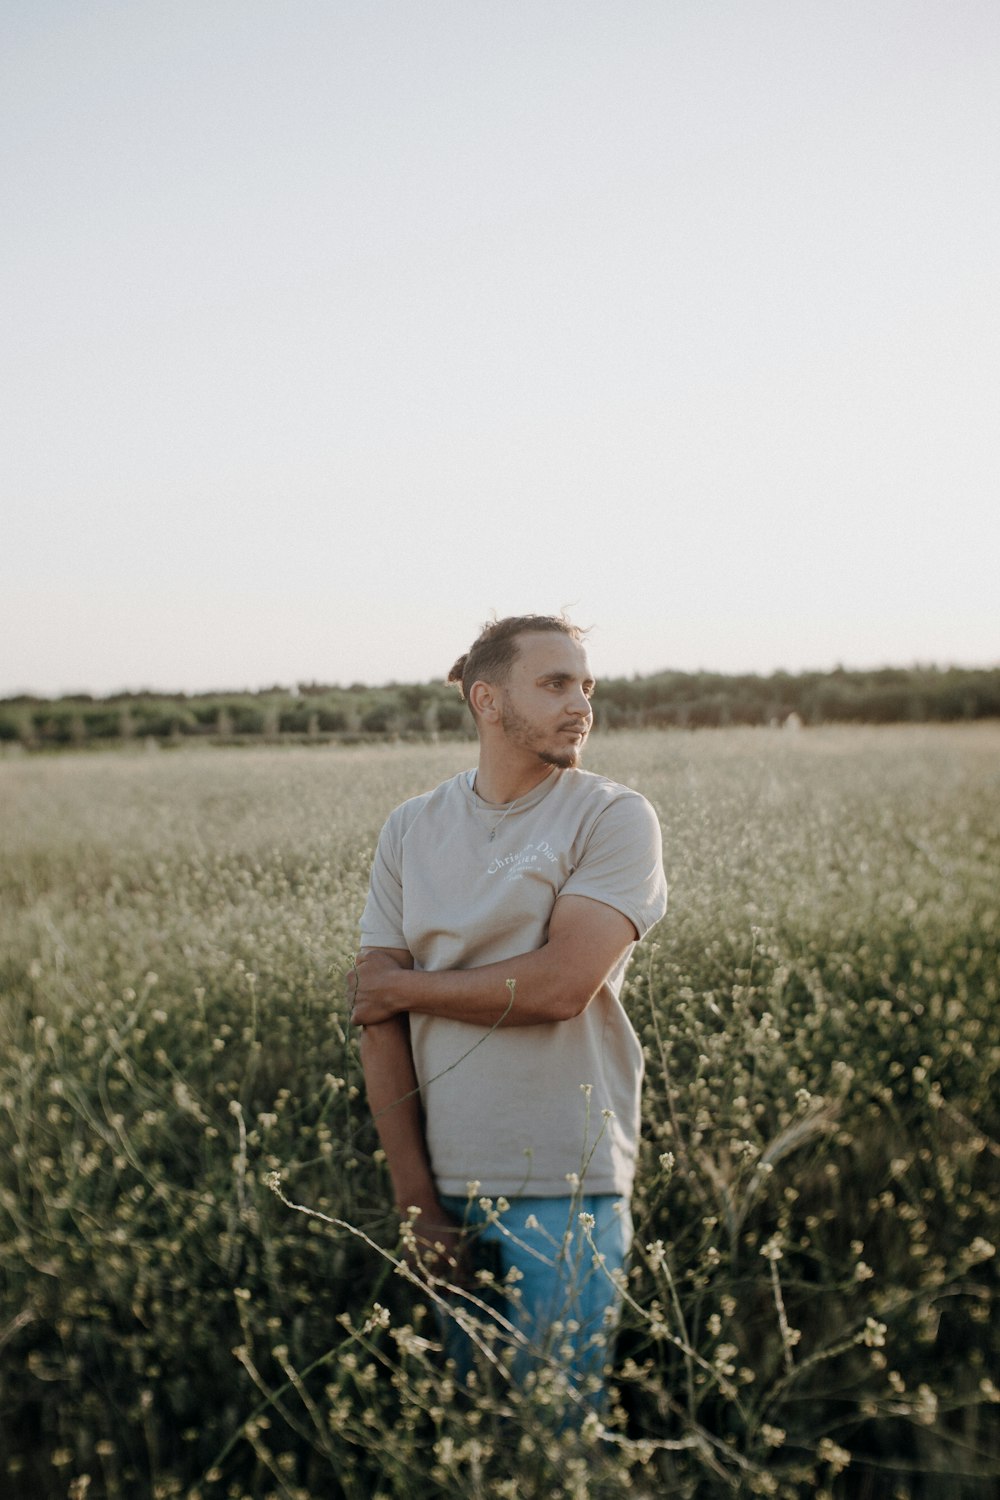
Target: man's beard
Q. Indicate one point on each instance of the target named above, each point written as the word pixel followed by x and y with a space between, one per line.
pixel 564 759
pixel 518 729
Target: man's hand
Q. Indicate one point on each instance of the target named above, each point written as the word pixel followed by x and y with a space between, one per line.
pixel 369 986
pixel 434 1245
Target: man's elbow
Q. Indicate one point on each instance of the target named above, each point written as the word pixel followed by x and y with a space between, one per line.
pixel 383 1036
pixel 571 1000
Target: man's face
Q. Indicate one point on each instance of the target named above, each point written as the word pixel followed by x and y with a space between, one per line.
pixel 545 706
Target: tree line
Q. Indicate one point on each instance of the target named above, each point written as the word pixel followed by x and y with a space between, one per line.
pixel 320 712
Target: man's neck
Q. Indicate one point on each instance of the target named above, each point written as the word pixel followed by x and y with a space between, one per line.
pixel 502 783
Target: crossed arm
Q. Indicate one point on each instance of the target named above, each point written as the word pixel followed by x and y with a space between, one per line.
pixel 553 983
pixel 586 939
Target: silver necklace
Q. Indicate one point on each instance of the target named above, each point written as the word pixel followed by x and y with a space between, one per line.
pixel 508 809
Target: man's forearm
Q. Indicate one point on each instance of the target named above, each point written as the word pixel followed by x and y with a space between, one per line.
pixel 391 1085
pixel 528 990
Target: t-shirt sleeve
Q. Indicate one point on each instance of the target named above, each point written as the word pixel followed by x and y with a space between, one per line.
pixel 622 863
pixel 382 918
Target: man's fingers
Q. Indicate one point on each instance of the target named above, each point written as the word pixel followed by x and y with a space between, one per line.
pixel 439 1250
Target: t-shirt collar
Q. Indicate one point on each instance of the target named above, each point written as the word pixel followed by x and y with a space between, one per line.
pixel 519 804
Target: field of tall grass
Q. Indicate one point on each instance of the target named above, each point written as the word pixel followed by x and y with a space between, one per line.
pixel 200 1289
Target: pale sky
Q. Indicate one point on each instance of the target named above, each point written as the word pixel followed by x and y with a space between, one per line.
pixel 331 328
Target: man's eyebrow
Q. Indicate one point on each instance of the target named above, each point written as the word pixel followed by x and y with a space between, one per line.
pixel 565 677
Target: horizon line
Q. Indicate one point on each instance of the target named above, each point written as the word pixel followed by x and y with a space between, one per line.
pixel 295 687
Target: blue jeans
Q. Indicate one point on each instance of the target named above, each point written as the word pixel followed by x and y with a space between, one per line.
pixel 563 1305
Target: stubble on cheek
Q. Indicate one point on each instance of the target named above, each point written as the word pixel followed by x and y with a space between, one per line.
pixel 519 731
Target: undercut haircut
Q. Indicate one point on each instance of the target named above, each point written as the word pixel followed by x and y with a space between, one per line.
pixel 495 649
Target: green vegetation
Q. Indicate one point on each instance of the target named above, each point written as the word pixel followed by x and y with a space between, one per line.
pixel 813 1303
pixel 317 713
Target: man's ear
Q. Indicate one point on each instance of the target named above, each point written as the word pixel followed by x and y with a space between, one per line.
pixel 484 700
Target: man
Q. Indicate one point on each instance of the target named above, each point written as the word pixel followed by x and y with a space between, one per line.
pixel 501 1068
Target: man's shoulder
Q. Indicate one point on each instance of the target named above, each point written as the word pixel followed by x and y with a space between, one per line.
pixel 406 813
pixel 593 788
pixel 609 810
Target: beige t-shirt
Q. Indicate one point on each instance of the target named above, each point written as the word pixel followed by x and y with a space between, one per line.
pixel 506 1107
